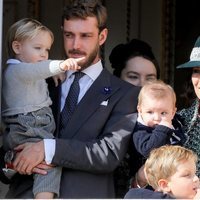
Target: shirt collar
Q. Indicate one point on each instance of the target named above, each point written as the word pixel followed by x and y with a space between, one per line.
pixel 13 61
pixel 140 120
pixel 92 71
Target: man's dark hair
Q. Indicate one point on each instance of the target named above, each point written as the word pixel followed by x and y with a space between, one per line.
pixel 86 8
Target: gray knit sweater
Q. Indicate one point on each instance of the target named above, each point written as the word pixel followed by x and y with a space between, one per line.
pixel 24 88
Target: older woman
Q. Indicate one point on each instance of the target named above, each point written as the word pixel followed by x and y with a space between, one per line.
pixel 191 115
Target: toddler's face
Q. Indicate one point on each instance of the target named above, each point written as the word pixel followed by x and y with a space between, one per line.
pixel 34 50
pixel 184 183
pixel 154 111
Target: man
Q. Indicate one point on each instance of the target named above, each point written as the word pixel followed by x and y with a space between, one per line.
pixel 92 143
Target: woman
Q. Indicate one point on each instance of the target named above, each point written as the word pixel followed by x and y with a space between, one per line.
pixel 134 62
pixel 191 115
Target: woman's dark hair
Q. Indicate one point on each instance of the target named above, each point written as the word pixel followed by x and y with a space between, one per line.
pixel 123 52
pixel 188 95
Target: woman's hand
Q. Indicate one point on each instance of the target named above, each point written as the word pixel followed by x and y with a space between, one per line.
pixel 140 177
pixel 139 180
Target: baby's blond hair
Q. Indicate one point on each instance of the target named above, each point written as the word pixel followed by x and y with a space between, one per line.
pixel 158 90
pixel 23 29
pixel 163 162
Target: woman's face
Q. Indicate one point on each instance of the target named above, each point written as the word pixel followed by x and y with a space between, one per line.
pixel 138 71
pixel 196 80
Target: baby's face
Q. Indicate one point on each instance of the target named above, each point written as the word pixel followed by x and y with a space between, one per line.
pixel 184 183
pixel 154 111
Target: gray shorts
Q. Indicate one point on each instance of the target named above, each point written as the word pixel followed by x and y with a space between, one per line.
pixel 30 127
pixel 33 127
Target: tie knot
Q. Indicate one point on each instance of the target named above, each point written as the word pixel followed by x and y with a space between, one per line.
pixel 78 75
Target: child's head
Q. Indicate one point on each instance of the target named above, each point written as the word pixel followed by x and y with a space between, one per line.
pixel 156 102
pixel 29 41
pixel 171 169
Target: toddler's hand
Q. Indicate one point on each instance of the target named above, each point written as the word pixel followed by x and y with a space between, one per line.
pixel 167 123
pixel 59 77
pixel 197 196
pixel 71 64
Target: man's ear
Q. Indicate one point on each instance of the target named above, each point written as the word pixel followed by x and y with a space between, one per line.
pixel 103 36
pixel 16 46
pixel 164 185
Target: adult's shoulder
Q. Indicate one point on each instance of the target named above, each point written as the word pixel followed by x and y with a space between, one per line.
pixel 142 193
pixel 119 82
pixel 184 112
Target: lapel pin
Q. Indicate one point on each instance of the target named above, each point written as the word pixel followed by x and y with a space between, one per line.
pixel 107 90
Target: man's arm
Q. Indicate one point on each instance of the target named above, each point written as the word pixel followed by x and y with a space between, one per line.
pixel 102 142
pixel 107 151
pixel 100 155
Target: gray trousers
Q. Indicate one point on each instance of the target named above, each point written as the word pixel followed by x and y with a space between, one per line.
pixel 33 127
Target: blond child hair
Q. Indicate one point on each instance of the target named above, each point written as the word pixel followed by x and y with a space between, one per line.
pixel 24 29
pixel 163 162
pixel 157 90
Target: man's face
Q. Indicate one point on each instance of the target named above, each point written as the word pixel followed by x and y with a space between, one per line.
pixel 82 38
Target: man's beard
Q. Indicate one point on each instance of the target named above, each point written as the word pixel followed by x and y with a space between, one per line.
pixel 89 61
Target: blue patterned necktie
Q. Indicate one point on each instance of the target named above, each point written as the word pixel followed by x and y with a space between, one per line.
pixel 71 100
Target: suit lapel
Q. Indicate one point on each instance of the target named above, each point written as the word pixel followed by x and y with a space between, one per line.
pixel 55 94
pixel 99 92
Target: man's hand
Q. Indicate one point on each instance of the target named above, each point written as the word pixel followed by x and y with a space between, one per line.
pixel 30 155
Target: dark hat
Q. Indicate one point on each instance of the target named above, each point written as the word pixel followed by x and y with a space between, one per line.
pixel 194 57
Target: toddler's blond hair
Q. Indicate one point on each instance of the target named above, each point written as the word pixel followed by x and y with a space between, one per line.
pixel 26 28
pixel 158 90
pixel 163 162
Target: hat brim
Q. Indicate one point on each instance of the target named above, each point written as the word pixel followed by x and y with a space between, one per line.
pixel 189 64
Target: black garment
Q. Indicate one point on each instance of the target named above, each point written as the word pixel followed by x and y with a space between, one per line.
pixel 141 193
pixel 147 138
